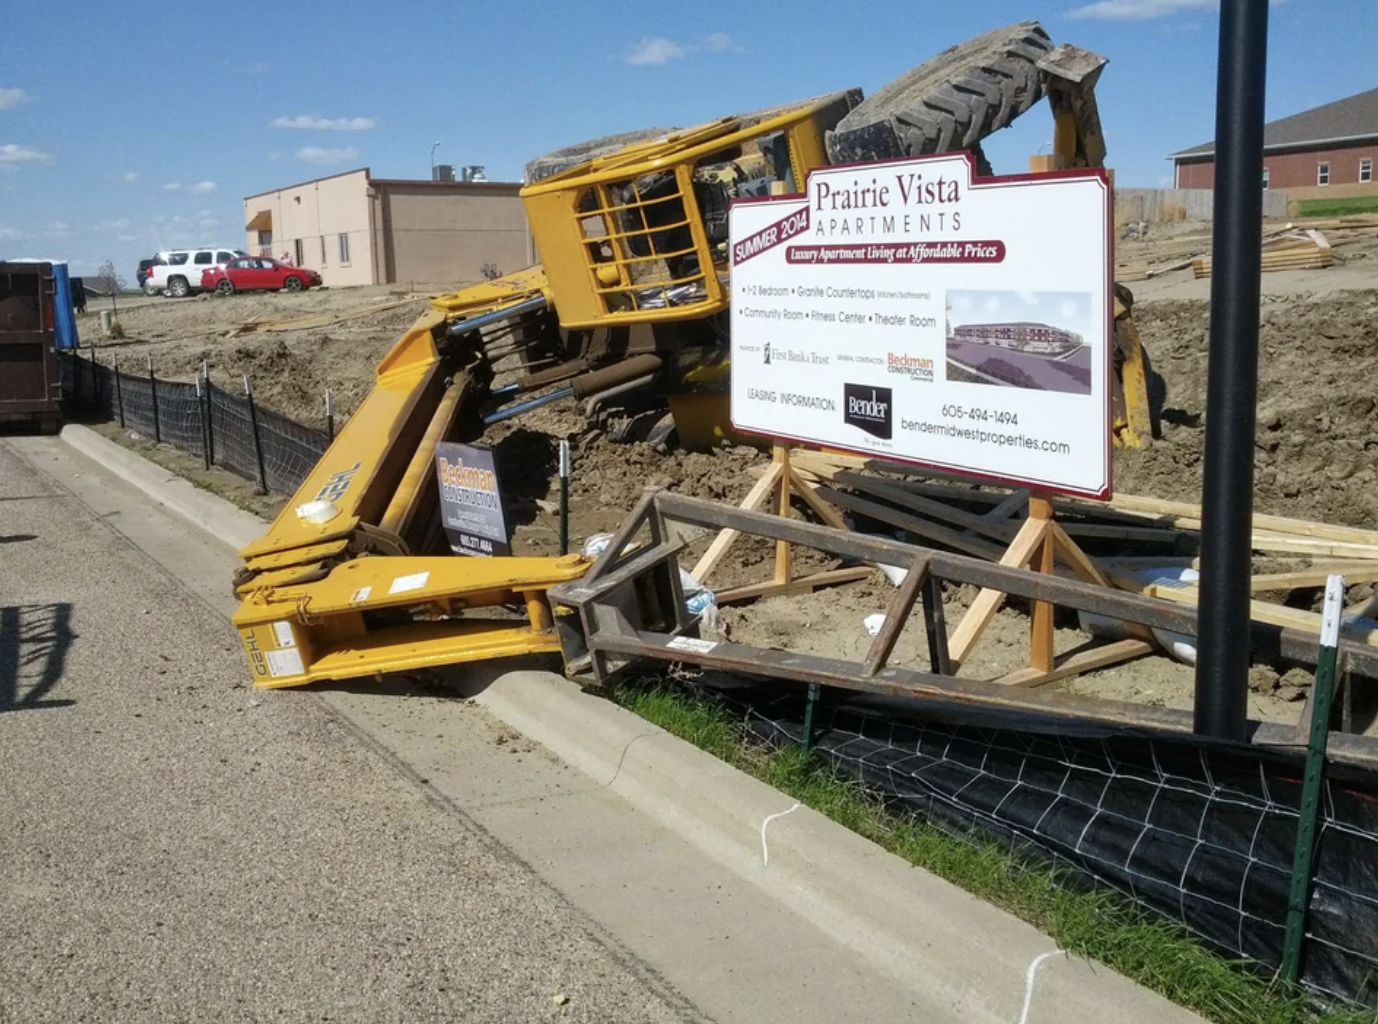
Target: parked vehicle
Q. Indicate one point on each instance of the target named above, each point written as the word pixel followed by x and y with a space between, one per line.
pixel 258 273
pixel 177 272
pixel 145 268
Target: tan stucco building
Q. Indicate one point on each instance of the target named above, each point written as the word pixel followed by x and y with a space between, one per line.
pixel 357 229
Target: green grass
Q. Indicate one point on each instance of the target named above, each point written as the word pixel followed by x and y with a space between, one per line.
pixel 1095 923
pixel 1337 207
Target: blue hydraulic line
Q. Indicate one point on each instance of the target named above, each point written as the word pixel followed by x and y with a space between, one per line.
pixel 506 389
pixel 461 327
pixel 527 406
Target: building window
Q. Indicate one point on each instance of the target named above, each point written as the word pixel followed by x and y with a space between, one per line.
pixel 1265 179
pixel 1323 173
pixel 344 249
pixel 322 250
pixel 300 251
pixel 265 238
pixel 1366 169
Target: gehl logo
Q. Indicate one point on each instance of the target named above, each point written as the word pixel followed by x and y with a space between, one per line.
pixel 868 408
pixel 338 483
pixel 767 354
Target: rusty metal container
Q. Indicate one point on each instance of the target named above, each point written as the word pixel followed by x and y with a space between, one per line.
pixel 30 390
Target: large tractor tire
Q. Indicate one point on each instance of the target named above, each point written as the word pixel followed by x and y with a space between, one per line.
pixel 562 160
pixel 950 102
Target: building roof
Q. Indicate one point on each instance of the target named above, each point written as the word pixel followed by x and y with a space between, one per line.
pixel 1349 119
pixel 502 187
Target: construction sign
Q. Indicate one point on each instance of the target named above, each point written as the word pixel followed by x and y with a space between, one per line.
pixel 901 310
pixel 470 500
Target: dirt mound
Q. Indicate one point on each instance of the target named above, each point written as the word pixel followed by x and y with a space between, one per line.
pixel 1316 453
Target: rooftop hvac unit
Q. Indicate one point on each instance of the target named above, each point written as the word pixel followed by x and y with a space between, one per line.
pixel 475 172
pixel 443 172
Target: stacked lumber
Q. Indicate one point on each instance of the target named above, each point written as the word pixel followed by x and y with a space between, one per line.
pixel 1292 250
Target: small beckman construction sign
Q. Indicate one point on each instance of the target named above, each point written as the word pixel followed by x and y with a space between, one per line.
pixel 899 310
pixel 470 500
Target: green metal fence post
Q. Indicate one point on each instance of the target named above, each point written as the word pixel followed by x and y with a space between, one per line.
pixel 1313 781
pixel 210 413
pixel 153 387
pixel 258 443
pixel 119 393
pixel 810 703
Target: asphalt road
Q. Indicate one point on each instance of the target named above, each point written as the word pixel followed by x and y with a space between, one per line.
pixel 175 847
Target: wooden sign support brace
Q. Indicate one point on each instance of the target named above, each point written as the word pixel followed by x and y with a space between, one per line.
pixel 1036 546
pixel 781 482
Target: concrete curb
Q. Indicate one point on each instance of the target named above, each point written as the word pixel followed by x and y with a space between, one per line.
pixel 958 951
pixel 216 516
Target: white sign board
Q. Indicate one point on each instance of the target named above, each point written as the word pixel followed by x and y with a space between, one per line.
pixel 899 310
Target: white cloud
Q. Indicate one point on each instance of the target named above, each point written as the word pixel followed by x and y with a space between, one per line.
pixel 654 51
pixel 206 223
pixel 1143 10
pixel 127 238
pixel 12 155
pixel 13 97
pixel 203 188
pixel 258 67
pixel 59 229
pixel 130 177
pixel 326 124
pixel 172 186
pixel 123 224
pixel 8 233
pixel 325 157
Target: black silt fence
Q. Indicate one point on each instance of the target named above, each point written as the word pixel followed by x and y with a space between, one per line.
pixel 206 421
pixel 1200 834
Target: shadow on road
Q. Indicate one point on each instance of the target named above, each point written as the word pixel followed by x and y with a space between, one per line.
pixel 34 640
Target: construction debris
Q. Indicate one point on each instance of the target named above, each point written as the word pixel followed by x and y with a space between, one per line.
pixel 939 509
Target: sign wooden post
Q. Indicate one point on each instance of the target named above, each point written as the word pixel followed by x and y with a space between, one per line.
pixel 780 482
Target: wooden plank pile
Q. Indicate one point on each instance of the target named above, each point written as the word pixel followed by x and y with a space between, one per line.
pixel 1143 260
pixel 1292 250
pixel 950 512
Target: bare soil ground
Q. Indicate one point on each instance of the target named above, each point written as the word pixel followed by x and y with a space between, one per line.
pixel 1316 455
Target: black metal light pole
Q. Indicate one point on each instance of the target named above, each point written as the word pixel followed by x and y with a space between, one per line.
pixel 1227 493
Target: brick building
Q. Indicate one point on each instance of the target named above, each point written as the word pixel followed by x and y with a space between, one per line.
pixel 1333 146
pixel 1020 336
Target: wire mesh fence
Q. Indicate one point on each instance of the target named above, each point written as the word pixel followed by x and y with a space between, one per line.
pixel 222 428
pixel 1199 834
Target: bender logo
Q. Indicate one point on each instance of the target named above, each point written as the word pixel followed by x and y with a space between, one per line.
pixel 338 483
pixel 869 408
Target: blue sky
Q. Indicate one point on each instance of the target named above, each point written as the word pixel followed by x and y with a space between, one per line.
pixel 123 129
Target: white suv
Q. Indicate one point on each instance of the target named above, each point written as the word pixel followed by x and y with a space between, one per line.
pixel 177 272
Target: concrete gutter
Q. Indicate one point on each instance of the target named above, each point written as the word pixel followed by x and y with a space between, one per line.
pixel 962 958
pixel 216 516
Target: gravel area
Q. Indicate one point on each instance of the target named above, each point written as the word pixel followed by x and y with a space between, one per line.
pixel 177 847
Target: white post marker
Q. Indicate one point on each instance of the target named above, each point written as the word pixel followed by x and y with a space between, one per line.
pixel 904 311
pixel 564 497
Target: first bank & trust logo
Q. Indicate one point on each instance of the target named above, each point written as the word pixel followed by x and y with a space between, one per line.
pixel 869 408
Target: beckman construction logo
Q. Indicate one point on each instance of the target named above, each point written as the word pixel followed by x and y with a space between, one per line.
pixel 868 408
pixel 918 368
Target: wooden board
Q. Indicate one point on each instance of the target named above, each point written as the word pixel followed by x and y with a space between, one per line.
pixel 1078 662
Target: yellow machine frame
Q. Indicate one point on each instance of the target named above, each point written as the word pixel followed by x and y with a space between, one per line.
pixel 333 590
